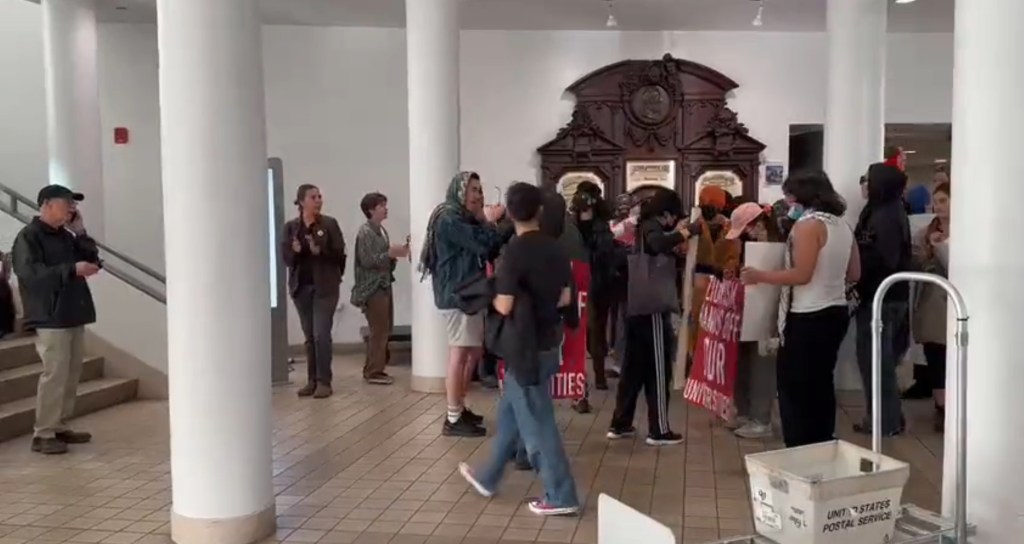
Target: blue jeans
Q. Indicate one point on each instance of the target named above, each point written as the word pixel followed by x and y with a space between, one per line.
pixel 528 412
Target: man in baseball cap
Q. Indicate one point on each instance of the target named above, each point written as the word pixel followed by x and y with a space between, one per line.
pixel 51 192
pixel 53 257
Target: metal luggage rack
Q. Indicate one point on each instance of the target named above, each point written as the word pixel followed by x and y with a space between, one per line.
pixel 916 525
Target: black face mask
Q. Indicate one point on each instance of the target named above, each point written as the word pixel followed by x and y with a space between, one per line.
pixel 708 212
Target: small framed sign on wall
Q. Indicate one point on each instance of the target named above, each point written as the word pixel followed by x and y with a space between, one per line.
pixel 645 173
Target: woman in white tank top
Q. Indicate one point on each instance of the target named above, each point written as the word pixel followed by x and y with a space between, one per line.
pixel 820 261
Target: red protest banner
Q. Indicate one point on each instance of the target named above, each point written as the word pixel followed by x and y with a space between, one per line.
pixel 571 380
pixel 712 379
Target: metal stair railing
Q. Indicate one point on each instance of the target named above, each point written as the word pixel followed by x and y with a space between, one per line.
pixel 22 208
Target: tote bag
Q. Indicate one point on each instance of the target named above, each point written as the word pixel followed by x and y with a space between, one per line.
pixel 652 283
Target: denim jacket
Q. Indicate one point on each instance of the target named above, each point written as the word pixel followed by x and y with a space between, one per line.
pixel 464 247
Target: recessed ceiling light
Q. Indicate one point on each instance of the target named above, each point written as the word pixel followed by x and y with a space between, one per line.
pixel 905 1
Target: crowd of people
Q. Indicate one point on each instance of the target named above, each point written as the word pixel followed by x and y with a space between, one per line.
pixel 502 283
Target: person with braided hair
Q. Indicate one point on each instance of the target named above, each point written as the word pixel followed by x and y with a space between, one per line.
pixel 461 238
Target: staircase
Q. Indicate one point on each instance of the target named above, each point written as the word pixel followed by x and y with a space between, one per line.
pixel 20 366
pixel 19 375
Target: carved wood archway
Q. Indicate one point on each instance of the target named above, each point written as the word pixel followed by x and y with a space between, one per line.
pixel 662 110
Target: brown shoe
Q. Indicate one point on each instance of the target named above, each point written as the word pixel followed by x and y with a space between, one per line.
pixel 308 390
pixel 322 391
pixel 49 446
pixel 74 437
pixel 379 379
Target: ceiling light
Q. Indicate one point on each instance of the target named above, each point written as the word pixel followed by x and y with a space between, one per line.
pixel 905 1
pixel 612 22
pixel 941 161
pixel 758 21
pixel 909 151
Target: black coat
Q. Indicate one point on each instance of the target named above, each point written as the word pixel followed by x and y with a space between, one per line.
pixel 883 234
pixel 53 295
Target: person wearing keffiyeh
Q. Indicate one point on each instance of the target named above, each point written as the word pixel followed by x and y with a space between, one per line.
pixel 821 258
pixel 461 238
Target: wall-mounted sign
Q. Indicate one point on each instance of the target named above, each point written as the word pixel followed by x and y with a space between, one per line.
pixel 722 178
pixel 568 182
pixel 641 173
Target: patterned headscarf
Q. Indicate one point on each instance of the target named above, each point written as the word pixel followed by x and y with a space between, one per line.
pixel 454 202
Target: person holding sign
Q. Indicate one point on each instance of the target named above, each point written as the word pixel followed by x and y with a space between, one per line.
pixel 755 372
pixel 649 341
pixel 813 314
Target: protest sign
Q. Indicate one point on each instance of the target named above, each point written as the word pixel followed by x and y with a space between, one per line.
pixel 712 379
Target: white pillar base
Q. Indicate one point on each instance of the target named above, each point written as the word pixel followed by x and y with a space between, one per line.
pixel 428 384
pixel 243 530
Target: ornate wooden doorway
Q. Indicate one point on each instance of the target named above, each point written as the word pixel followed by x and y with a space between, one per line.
pixel 639 123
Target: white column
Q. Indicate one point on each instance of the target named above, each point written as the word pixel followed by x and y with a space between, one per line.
pixel 213 145
pixel 432 40
pixel 854 117
pixel 986 262
pixel 72 102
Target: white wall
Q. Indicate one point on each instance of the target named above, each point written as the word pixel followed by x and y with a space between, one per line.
pixel 23 147
pixel 336 108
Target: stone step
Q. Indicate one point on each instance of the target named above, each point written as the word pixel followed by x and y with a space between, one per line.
pixel 18 417
pixel 21 382
pixel 17 352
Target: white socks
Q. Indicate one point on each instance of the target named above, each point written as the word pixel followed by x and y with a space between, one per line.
pixel 454 413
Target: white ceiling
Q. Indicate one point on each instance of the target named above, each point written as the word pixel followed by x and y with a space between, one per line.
pixel 656 15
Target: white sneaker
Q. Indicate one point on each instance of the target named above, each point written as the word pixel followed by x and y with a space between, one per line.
pixel 737 423
pixel 467 473
pixel 754 429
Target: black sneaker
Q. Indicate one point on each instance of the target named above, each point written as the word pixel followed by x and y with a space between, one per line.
pixel 49 446
pixel 667 439
pixel 618 434
pixel 582 406
pixel 469 416
pixel 74 437
pixel 866 428
pixel 462 428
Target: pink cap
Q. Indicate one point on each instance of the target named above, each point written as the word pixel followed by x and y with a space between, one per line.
pixel 742 217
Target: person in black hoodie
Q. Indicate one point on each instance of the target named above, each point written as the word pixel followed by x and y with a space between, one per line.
pixel 647 363
pixel 883 237
pixel 591 214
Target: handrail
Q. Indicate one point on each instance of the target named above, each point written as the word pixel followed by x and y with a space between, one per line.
pixel 17 198
pixel 114 270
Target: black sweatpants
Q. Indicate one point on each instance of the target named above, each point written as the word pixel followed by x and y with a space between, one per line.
pixel 645 365
pixel 806 375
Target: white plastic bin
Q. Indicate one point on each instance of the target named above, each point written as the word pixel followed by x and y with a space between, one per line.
pixel 829 493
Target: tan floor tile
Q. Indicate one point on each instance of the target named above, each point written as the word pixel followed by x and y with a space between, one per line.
pixel 369 465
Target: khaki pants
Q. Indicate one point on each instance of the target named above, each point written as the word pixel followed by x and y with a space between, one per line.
pixel 379 312
pixel 61 351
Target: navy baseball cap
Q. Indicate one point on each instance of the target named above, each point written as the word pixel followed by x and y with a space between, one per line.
pixel 51 192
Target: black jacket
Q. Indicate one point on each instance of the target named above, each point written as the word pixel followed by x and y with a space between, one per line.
pixel 328 268
pixel 883 234
pixel 606 258
pixel 53 295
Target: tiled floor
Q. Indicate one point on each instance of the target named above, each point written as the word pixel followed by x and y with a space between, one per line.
pixel 369 466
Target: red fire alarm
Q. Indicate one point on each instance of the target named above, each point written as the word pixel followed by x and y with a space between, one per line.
pixel 120 135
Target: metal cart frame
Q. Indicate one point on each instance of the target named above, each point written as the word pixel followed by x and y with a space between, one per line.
pixel 915 525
